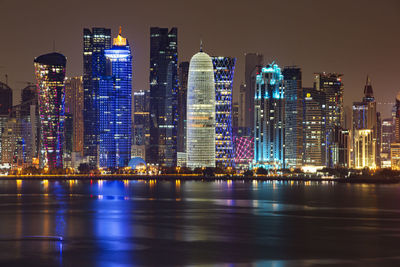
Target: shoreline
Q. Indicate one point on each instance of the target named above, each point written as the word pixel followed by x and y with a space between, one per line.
pixel 358 180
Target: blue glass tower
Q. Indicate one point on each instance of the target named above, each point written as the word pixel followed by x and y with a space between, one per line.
pixel 223 74
pixel 95 41
pixel 269 120
pixel 115 100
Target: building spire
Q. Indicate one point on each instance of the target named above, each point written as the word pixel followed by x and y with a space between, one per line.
pixel 368 91
pixel 119 41
pixel 201 45
pixel 120 30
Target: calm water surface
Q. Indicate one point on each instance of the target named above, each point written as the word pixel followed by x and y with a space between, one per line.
pixel 161 223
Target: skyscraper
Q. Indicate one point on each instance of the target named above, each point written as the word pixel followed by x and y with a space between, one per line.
pixel 50 75
pixel 141 134
pixel 314 152
pixel 5 108
pixel 95 41
pixel 365 118
pixel 5 99
pixel 253 64
pixel 115 105
pixel 183 72
pixel 293 117
pixel 269 119
pixel 224 68
pixel 74 106
pixel 388 137
pixel 331 84
pixel 201 112
pixel 163 96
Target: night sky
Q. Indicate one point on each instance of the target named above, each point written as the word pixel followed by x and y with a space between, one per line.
pixel 355 38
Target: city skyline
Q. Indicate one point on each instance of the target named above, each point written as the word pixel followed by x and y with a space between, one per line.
pixel 363 41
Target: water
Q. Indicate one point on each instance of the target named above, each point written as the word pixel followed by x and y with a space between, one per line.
pixel 125 223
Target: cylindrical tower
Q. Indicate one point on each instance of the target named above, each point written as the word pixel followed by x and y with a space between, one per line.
pixel 50 75
pixel 201 112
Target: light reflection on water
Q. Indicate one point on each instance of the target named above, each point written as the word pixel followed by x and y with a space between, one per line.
pixel 264 223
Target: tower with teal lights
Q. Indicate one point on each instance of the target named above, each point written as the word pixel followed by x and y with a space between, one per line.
pixel 269 119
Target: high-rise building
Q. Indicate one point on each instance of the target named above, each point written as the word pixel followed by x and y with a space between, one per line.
pixel 314 152
pixel 5 99
pixel 115 105
pixel 388 137
pixel 5 108
pixel 293 117
pixel 396 113
pixel 331 84
pixel 395 156
pixel 95 41
pixel 201 112
pixel 74 96
pixel 183 73
pixel 141 134
pixel 163 96
pixel 50 75
pixel 29 124
pixel 269 119
pixel 365 118
pixel 224 68
pixel 364 148
pixel 253 64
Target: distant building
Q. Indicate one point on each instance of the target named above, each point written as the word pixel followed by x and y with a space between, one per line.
pixel 183 73
pixel 50 75
pixel 224 68
pixel 115 105
pixel 269 119
pixel 201 112
pixel 141 123
pixel 293 117
pixel 95 41
pixel 332 86
pixel 162 147
pixel 314 151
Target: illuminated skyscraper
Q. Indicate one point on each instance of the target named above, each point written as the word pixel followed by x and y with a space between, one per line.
pixel 140 134
pixel 201 112
pixel 115 103
pixel 293 117
pixel 365 118
pixel 331 84
pixel 269 120
pixel 95 41
pixel 163 97
pixel 224 68
pixel 388 137
pixel 50 75
pixel 314 152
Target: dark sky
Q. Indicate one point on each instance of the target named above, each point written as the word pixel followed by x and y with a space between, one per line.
pixel 352 37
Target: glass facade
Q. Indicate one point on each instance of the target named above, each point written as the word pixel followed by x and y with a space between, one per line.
pixel 140 135
pixel 95 41
pixel 224 68
pixel 331 84
pixel 163 96
pixel 293 117
pixel 314 152
pixel 50 75
pixel 183 72
pixel 115 100
pixel 269 145
pixel 201 112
